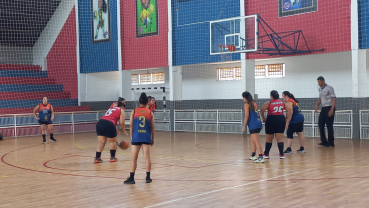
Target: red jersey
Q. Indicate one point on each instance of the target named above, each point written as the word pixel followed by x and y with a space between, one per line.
pixel 112 115
pixel 112 105
pixel 152 107
pixel 276 108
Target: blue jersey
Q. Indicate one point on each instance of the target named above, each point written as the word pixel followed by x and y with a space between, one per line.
pixel 297 116
pixel 44 112
pixel 141 125
pixel 254 121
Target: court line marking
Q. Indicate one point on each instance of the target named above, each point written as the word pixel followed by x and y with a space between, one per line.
pixel 210 192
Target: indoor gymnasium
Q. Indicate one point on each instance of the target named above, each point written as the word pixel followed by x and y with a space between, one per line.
pixel 184 103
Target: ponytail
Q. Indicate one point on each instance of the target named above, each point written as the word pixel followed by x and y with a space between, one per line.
pixel 286 93
pixel 249 99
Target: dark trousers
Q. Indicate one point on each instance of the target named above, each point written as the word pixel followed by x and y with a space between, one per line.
pixel 323 120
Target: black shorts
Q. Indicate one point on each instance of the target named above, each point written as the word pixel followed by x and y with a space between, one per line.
pixel 255 131
pixel 275 124
pixel 106 128
pixel 45 122
pixel 140 143
pixel 294 127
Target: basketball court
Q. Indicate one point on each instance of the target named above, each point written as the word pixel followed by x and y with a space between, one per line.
pixel 188 170
pixel 196 58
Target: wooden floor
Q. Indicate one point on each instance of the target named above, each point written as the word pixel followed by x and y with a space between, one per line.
pixel 189 170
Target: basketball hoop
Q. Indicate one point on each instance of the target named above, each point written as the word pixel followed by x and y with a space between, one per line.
pixel 225 50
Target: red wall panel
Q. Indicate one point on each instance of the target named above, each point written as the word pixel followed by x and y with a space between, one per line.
pixel 328 28
pixel 145 52
pixel 62 57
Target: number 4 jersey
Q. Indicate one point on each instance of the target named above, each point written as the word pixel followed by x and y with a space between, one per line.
pixel 141 125
pixel 276 108
pixel 112 115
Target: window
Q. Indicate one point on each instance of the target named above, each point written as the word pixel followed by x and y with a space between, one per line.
pixel 233 73
pixel 149 78
pixel 158 78
pixel 269 71
pixel 135 79
pixel 261 72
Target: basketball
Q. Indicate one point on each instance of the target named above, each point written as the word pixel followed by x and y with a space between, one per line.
pixel 124 144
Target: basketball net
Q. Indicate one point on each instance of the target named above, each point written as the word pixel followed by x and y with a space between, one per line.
pixel 225 52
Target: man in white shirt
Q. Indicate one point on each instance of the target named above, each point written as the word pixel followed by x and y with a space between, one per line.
pixel 327 98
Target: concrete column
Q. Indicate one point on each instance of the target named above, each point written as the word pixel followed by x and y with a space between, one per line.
pixel 175 83
pixel 125 90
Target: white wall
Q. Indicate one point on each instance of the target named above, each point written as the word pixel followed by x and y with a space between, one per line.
pixel 51 31
pixel 16 55
pixel 103 86
pixel 200 81
pixel 302 73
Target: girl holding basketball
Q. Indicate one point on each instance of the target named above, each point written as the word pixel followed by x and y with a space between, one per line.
pixel 295 124
pixel 252 119
pixel 106 130
pixel 143 133
pixel 275 123
pixel 45 118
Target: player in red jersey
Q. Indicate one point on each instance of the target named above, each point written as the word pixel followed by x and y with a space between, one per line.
pixel 106 131
pixel 275 123
pixel 142 131
pixel 120 100
pixel 152 104
pixel 45 118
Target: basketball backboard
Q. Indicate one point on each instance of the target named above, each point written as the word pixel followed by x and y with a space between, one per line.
pixel 238 31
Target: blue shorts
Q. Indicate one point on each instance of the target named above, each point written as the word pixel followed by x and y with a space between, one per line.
pixel 45 122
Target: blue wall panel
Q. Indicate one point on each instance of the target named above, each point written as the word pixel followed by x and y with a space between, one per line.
pixel 191 28
pixel 363 24
pixel 98 57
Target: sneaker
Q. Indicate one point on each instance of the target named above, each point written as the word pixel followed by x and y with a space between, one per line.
pixel 281 156
pixel 253 158
pixel 129 181
pixel 288 151
pixel 98 160
pixel 113 159
pixel 52 139
pixel 148 180
pixel 301 151
pixel 331 145
pixel 259 160
pixel 43 141
pixel 266 156
pixel 323 143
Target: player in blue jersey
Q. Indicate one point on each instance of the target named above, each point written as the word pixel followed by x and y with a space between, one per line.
pixel 143 132
pixel 45 118
pixel 253 121
pixel 296 124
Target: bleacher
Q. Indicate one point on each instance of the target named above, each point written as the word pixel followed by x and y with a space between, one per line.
pixel 22 87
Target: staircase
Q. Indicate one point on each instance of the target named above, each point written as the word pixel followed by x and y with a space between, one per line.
pixel 22 87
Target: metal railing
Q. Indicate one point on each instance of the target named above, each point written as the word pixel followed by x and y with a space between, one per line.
pixel 364 124
pixel 216 121
pixel 14 125
pixel 230 121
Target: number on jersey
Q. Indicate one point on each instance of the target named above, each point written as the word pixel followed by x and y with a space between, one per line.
pixel 109 112
pixel 277 109
pixel 142 119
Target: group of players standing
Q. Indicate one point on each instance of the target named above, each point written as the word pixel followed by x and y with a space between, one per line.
pixel 275 123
